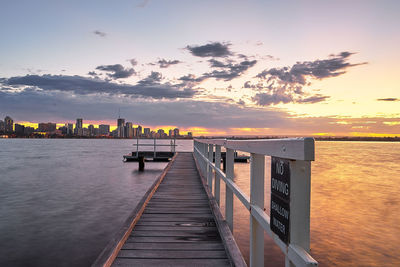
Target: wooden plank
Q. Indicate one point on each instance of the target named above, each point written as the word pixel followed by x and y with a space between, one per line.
pixel 175 246
pixel 188 233
pixel 173 228
pixel 226 235
pixel 177 227
pixel 110 252
pixel 173 239
pixel 172 262
pixel 203 223
pixel 172 254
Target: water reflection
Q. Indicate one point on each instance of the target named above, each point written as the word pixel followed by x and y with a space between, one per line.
pixel 355 205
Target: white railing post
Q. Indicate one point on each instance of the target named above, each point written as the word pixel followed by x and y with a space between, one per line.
pixel 300 189
pixel 209 169
pixel 217 189
pixel 203 152
pixel 228 191
pixel 257 174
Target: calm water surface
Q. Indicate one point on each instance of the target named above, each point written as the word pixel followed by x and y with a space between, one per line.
pixel 355 205
pixel 62 200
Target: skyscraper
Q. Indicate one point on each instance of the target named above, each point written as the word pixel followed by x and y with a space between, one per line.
pixel 176 132
pixel 78 126
pixel 128 130
pixel 19 129
pixel 139 131
pixel 79 123
pixel 91 130
pixel 1 126
pixel 104 129
pixel 70 128
pixel 121 127
pixel 8 124
pixel 146 132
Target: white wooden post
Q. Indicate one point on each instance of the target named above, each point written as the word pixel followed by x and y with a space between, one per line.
pixel 228 191
pixel 154 156
pixel 209 169
pixel 257 174
pixel 202 152
pixel 300 189
pixel 217 189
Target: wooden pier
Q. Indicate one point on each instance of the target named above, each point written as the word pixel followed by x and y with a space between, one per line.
pixel 178 223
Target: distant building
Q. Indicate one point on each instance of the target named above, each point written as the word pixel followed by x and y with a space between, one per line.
pixel 28 130
pixel 8 124
pixel 176 132
pixel 70 128
pixel 19 129
pixel 85 132
pixel 1 126
pixel 79 123
pixel 104 129
pixel 146 132
pixel 190 134
pixel 160 133
pixel 63 129
pixel 121 127
pixel 47 127
pixel 78 126
pixel 91 130
pixel 139 131
pixel 129 130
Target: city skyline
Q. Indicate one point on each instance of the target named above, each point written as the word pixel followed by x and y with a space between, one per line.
pixel 80 129
pixel 267 68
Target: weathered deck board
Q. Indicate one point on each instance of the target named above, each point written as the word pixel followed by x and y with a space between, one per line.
pixel 177 226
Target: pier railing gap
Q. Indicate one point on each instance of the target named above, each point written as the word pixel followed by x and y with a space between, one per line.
pixel 296 154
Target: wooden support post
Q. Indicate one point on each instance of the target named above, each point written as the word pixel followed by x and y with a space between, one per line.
pixel 228 191
pixel 217 190
pixel 300 190
pixel 209 169
pixel 141 163
pixel 257 174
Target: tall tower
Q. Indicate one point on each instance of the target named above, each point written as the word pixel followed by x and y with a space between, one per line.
pixel 8 124
pixel 121 127
pixel 79 123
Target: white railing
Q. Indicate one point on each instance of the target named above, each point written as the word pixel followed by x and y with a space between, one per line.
pixel 291 158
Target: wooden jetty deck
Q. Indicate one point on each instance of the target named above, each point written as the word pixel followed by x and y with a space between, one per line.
pixel 179 224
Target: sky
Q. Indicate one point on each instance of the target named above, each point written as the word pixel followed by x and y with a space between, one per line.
pixel 210 67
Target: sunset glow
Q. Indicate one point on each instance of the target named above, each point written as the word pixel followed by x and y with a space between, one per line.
pixel 313 73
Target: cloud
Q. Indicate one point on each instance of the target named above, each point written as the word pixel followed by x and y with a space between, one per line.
pixel 388 99
pixel 285 85
pixel 100 33
pixel 116 71
pixel 215 49
pixel 133 62
pixel 265 99
pixel 318 69
pixel 149 87
pixel 163 63
pixel 57 106
pixel 153 78
pixel 228 71
pixel 313 99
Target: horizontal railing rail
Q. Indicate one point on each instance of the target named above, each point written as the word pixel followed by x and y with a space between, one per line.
pixel 290 192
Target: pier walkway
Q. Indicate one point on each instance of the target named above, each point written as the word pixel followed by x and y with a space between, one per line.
pixel 178 226
pixel 178 221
